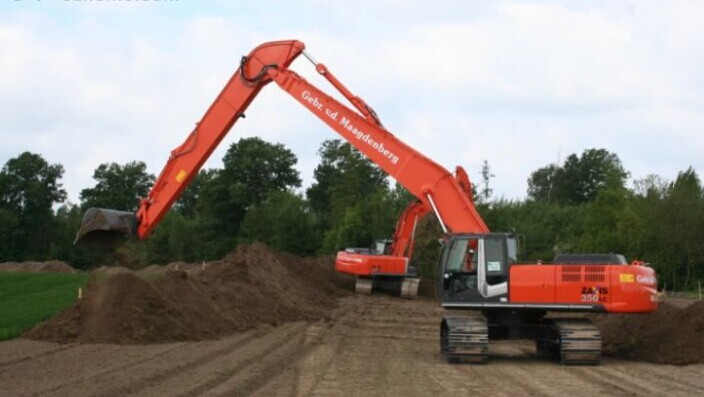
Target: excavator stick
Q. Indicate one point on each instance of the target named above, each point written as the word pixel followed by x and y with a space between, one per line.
pixel 103 227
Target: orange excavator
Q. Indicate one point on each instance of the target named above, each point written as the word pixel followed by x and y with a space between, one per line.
pixel 479 273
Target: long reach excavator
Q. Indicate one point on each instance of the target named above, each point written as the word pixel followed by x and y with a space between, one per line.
pixel 489 295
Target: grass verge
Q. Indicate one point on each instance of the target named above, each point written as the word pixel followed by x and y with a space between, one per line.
pixel 29 298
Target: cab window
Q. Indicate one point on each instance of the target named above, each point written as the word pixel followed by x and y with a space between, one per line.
pixel 495 260
pixel 456 257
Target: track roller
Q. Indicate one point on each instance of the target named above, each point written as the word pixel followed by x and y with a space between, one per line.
pixel 363 286
pixel 464 339
pixel 577 341
pixel 409 288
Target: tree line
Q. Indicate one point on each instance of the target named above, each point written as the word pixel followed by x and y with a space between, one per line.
pixel 584 204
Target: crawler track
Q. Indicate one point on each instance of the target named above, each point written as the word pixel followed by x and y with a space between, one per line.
pixel 464 339
pixel 577 341
pixel 409 288
pixel 363 286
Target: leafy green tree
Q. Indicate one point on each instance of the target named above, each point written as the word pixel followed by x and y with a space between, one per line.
pixel 544 229
pixel 187 204
pixel 542 183
pixel 608 222
pixel 579 179
pixel 252 170
pixel 365 222
pixel 680 229
pixel 341 197
pixel 343 177
pixel 10 236
pixel 29 187
pixel 284 222
pixel 118 186
pixel 176 239
pixel 67 220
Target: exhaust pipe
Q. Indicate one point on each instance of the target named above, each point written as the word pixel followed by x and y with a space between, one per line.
pixel 105 227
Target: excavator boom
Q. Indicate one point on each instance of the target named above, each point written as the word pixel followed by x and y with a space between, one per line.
pixel 269 62
pixel 186 160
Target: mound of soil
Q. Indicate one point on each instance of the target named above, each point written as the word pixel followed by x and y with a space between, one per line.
pixel 110 270
pixel 671 335
pixel 250 287
pixel 37 267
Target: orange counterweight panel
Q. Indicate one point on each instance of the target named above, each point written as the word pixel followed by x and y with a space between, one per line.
pixel 634 289
pixel 532 284
pixel 369 265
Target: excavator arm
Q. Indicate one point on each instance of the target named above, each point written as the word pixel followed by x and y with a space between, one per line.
pixel 403 239
pixel 434 186
pixel 226 110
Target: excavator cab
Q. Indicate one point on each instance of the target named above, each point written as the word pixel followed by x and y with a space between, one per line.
pixel 383 247
pixel 475 267
pixel 106 228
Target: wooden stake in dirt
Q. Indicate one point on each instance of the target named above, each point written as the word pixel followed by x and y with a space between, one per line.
pixel 203 266
pixel 80 293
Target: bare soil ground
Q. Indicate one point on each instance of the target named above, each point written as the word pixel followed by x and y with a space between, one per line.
pixel 375 346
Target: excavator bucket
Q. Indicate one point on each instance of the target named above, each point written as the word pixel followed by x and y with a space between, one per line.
pixel 105 227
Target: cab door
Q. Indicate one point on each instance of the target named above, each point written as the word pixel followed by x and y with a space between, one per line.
pixel 493 267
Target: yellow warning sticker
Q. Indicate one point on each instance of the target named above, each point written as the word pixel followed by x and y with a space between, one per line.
pixel 181 176
pixel 627 278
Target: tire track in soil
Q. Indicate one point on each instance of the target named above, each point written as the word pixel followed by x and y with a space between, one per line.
pixel 639 369
pixel 308 371
pixel 615 384
pixel 158 368
pixel 368 363
pixel 253 377
pixel 42 353
pixel 50 371
pixel 500 377
pixel 208 372
pixel 83 378
pixel 616 374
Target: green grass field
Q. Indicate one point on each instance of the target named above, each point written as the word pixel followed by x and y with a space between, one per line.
pixel 28 298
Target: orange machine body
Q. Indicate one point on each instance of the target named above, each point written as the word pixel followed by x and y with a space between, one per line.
pixel 611 288
pixel 370 264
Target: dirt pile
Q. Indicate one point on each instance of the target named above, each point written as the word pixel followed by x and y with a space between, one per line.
pixel 671 335
pixel 37 267
pixel 250 287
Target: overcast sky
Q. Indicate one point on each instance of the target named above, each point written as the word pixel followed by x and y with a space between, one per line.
pixel 520 84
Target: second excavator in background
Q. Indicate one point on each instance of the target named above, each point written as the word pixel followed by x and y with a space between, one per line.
pixel 479 273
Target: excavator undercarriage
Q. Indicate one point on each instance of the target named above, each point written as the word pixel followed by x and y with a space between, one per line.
pixel 405 287
pixel 570 341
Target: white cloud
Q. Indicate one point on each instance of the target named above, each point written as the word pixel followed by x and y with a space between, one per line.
pixel 515 83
